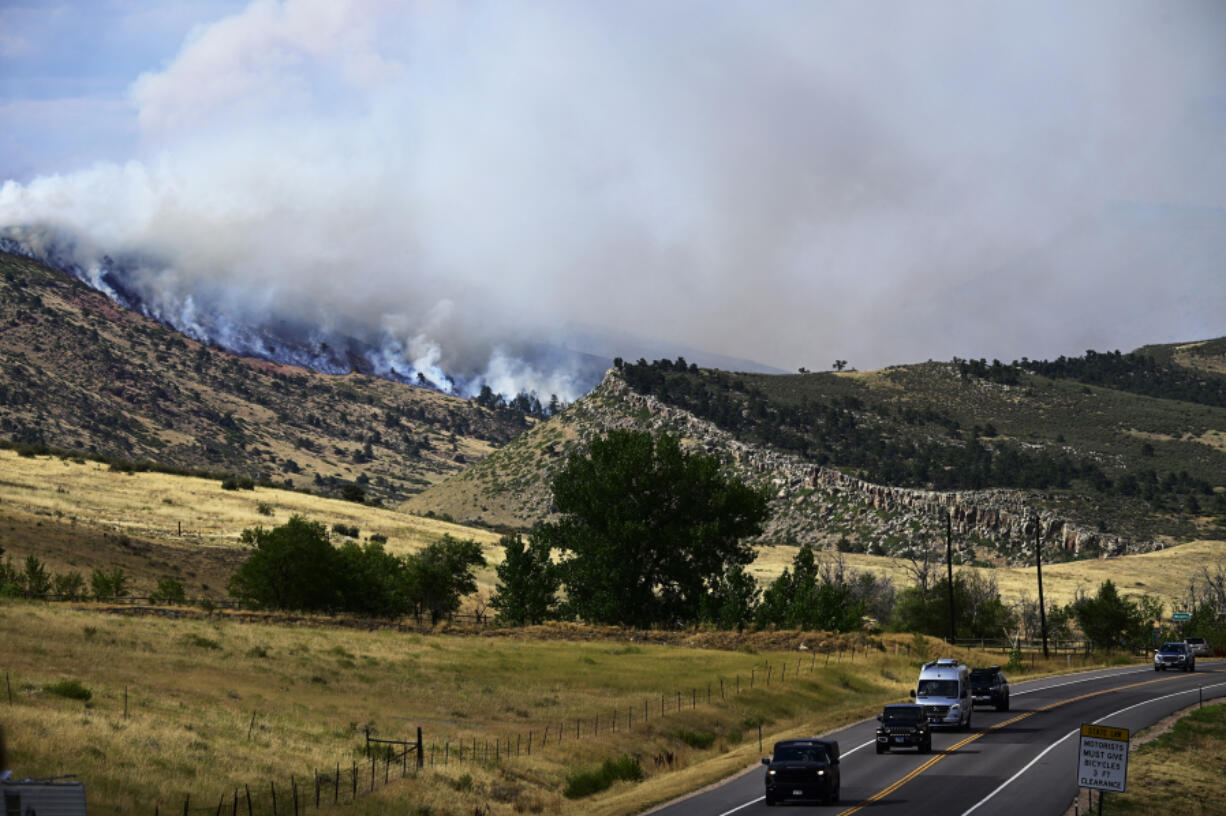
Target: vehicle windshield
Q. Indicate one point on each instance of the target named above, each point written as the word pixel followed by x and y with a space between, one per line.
pixel 800 753
pixel 1172 647
pixel 937 688
pixel 907 714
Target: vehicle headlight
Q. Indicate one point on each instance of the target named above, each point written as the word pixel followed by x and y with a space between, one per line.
pixel 821 773
pixel 770 773
pixel 953 709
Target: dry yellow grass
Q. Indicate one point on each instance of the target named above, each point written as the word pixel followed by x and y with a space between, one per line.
pixel 1164 574
pixel 193 686
pixel 189 514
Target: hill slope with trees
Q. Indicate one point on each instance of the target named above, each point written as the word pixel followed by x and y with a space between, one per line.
pixel 872 461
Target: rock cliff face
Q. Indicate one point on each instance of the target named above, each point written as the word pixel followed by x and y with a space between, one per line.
pixel 825 506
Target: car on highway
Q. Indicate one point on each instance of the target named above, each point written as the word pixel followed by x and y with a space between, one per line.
pixel 802 770
pixel 1198 645
pixel 989 687
pixel 1174 655
pixel 944 690
pixel 904 725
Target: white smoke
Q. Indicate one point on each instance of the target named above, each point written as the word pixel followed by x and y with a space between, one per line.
pixel 779 181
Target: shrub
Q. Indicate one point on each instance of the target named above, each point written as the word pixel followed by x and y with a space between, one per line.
pixel 696 739
pixel 200 641
pixel 264 509
pixel 169 591
pixel 72 689
pixel 586 783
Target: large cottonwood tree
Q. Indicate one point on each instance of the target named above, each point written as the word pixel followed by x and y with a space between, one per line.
pixel 647 529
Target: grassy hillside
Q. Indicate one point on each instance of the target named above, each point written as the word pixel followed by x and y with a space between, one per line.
pixel 80 515
pixel 213 705
pixel 79 373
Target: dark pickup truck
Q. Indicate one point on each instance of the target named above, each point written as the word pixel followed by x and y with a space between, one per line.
pixel 904 726
pixel 803 770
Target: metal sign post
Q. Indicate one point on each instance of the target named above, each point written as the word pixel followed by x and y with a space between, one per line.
pixel 1102 759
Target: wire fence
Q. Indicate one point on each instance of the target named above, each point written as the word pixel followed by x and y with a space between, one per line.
pixel 385 762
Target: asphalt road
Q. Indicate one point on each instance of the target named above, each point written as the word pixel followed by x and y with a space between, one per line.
pixel 1021 762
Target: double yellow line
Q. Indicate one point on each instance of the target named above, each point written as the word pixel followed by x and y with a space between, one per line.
pixel 881 794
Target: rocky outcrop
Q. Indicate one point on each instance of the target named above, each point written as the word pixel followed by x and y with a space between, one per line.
pixel 823 505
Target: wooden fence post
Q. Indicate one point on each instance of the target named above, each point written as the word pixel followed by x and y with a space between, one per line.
pixel 248 789
pixel 186 800
pixel 421 759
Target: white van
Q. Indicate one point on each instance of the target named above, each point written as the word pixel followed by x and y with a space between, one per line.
pixel 944 690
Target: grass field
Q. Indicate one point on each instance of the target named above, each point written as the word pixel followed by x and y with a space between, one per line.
pixel 215 704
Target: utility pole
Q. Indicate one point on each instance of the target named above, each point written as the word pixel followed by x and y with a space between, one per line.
pixel 1038 564
pixel 949 572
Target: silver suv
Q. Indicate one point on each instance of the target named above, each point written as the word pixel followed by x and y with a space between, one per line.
pixel 1197 645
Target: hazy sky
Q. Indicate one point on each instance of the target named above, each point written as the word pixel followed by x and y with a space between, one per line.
pixel 791 182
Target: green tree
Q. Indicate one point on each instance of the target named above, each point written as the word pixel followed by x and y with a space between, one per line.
pixel 810 597
pixel 108 585
pixel 647 529
pixel 370 580
pixel 528 582
pixel 36 580
pixel 979 611
pixel 733 600
pixel 70 586
pixel 290 567
pixel 169 591
pixel 440 575
pixel 1111 621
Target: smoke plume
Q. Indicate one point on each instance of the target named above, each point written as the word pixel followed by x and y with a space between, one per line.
pixel 452 185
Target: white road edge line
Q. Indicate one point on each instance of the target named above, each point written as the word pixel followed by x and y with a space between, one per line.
pixel 741 807
pixel 1097 676
pixel 760 798
pixel 1011 779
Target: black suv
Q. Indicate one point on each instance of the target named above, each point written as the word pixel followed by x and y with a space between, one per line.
pixel 989 687
pixel 805 769
pixel 904 725
pixel 1174 655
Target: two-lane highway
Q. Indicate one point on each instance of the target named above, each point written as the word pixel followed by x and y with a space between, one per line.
pixel 1020 762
